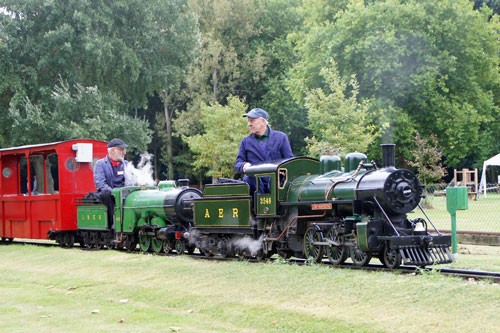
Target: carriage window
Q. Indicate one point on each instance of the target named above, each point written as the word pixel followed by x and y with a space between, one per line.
pixel 7 172
pixel 264 184
pixel 23 176
pixel 52 174
pixel 37 175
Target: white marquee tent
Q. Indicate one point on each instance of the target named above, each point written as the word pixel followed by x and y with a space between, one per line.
pixel 495 160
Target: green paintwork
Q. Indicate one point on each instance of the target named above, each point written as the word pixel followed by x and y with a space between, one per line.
pixel 457 199
pixel 329 163
pixel 316 187
pixel 92 217
pixel 286 171
pixel 223 212
pixel 223 190
pixel 362 232
pixel 296 167
pixel 166 185
pixel 352 160
pixel 266 202
pixel 142 202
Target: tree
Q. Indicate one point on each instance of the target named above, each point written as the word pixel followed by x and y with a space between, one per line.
pixel 217 147
pixel 279 19
pixel 86 112
pixel 128 49
pixel 436 62
pixel 338 122
pixel 427 159
pixel 226 62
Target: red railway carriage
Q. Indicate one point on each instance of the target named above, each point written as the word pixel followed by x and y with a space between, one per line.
pixel 40 183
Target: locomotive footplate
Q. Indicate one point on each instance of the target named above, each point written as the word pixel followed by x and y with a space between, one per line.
pixel 421 250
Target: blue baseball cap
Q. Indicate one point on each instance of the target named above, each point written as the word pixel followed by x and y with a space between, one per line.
pixel 257 113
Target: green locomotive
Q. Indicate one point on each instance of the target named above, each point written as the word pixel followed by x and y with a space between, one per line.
pixel 314 208
pixel 152 217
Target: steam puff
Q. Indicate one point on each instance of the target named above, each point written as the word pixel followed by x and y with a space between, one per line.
pixel 247 243
pixel 142 175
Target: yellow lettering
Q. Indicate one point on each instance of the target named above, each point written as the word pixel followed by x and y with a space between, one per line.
pixel 93 217
pixel 88 217
pixel 207 215
pixel 221 212
pixel 100 217
pixel 265 201
pixel 235 212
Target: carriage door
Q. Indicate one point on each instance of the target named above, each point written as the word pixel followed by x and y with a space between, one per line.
pixel 266 193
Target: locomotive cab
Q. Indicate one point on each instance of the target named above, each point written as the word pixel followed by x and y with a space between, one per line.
pixel 273 181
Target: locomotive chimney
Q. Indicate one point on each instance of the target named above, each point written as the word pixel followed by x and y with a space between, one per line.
pixel 388 157
pixel 183 182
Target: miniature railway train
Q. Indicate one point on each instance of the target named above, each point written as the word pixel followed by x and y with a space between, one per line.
pixel 309 209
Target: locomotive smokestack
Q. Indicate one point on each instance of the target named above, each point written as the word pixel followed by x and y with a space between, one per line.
pixel 388 157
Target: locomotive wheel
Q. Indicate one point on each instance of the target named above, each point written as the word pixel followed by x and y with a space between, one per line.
pixel 167 247
pixel 156 244
pixel 360 258
pixel 144 242
pixel 180 247
pixel 391 258
pixel 310 250
pixel 336 254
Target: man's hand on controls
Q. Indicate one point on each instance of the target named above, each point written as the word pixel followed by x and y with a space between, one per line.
pixel 245 166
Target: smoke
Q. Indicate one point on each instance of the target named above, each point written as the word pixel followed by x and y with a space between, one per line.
pixel 248 244
pixel 142 175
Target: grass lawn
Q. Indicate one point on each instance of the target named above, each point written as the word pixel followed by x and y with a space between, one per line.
pixel 481 215
pixel 53 289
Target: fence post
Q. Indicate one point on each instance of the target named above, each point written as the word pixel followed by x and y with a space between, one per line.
pixel 456 199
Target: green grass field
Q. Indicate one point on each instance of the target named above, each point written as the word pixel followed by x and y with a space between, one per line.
pixel 60 290
pixel 481 215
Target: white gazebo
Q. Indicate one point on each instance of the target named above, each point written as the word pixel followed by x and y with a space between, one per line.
pixel 495 160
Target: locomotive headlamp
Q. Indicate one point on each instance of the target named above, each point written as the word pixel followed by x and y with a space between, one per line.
pixel 419 226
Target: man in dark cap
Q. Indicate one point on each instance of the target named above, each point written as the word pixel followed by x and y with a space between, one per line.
pixel 109 173
pixel 262 145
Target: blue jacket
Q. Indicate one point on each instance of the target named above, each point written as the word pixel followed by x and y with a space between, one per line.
pixel 278 148
pixel 103 174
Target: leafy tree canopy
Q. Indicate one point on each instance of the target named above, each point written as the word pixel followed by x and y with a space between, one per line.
pixel 434 61
pixel 127 49
pixel 217 147
pixel 84 113
pixel 338 122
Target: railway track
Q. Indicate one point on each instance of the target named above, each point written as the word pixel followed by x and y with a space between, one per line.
pixel 465 274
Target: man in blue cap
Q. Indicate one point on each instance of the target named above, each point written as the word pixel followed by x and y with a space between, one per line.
pixel 262 145
pixel 109 173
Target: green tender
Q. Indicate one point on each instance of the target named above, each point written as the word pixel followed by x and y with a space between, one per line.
pixel 92 217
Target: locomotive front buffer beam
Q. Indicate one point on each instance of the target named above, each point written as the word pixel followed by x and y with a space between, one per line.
pixel 421 250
